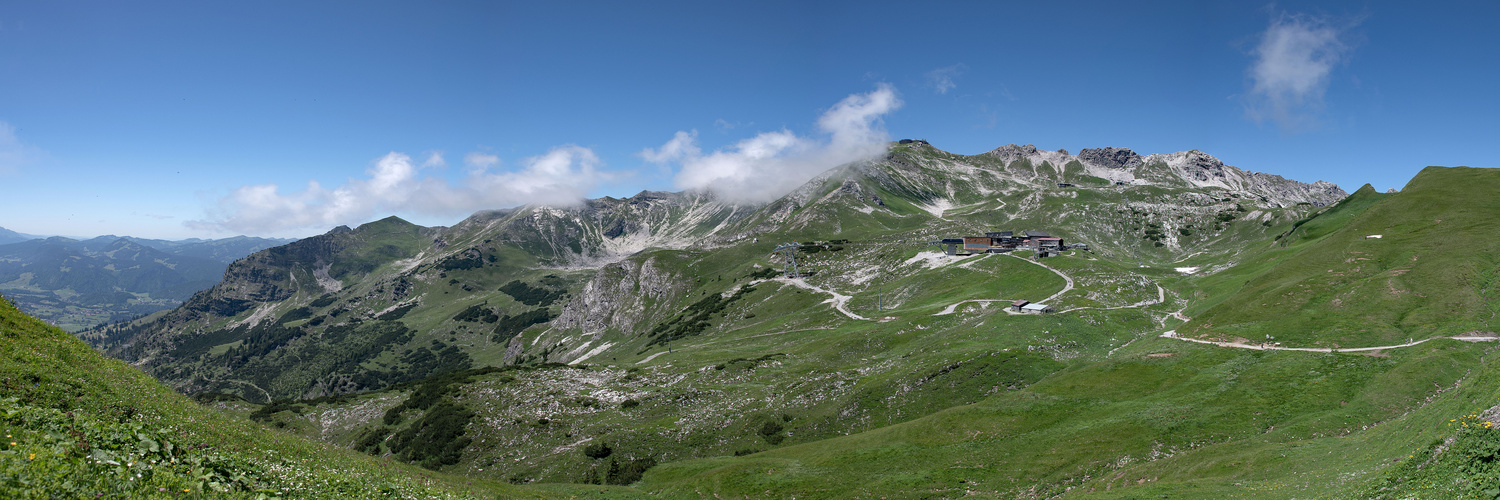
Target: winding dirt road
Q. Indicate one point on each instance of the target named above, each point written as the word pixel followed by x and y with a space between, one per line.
pixel 1172 334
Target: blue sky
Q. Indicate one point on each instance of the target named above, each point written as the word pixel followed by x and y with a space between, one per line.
pixel 209 119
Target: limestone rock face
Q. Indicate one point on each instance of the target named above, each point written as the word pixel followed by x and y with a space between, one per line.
pixel 1110 157
pixel 1012 152
pixel 617 297
pixel 1183 169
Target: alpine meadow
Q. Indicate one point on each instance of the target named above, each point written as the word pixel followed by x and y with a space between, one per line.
pixel 1223 333
pixel 769 250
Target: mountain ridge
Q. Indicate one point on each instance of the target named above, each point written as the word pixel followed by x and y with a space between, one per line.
pixel 83 283
pixel 395 265
pixel 689 356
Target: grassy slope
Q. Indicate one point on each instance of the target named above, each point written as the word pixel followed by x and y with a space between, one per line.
pixel 64 404
pixel 1219 282
pixel 1202 422
pixel 825 376
pixel 1428 275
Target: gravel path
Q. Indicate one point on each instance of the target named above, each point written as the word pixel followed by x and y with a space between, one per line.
pixel 1172 334
pixel 1050 268
pixel 1161 296
pixel 840 301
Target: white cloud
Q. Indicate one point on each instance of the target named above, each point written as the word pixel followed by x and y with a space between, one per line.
pixel 771 164
pixel 13 153
pixel 435 159
pixel 481 161
pixel 1291 71
pixel 682 145
pixel 562 176
pixel 941 79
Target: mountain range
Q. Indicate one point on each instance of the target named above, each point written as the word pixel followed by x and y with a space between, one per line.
pixel 1160 206
pixel 7 236
pixel 1225 333
pixel 78 284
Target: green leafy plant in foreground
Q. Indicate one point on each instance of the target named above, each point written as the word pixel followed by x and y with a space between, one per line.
pixel 48 453
pixel 1465 465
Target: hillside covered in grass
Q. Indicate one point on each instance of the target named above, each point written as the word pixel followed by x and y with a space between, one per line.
pixel 79 425
pixel 658 345
pixel 938 391
pixel 1417 264
pixel 389 302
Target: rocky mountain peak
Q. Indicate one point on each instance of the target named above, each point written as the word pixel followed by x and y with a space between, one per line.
pixel 1012 152
pixel 1110 157
pixel 1193 165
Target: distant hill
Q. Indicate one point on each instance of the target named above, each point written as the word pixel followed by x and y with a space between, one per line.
pixel 78 284
pixel 7 236
pixel 224 250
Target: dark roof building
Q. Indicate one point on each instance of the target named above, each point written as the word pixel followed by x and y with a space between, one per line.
pixel 1037 308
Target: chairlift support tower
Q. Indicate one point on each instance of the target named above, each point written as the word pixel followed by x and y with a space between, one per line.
pixel 790 250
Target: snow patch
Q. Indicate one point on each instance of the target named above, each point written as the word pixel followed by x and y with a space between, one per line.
pixel 1187 270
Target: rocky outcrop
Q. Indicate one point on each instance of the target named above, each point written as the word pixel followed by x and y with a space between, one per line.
pixel 1183 169
pixel 1110 157
pixel 604 230
pixel 1204 170
pixel 1011 152
pixel 617 297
